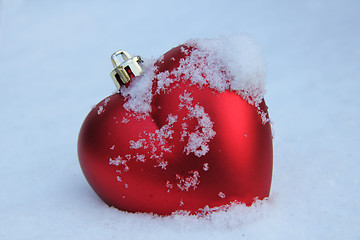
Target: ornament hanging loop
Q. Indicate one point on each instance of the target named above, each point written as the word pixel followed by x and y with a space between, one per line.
pixel 124 71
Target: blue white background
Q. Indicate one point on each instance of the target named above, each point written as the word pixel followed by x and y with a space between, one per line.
pixel 55 64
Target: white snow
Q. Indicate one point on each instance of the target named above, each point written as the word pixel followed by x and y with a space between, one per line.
pixel 138 93
pixel 222 195
pixel 237 55
pixel 55 65
pixel 189 182
pixel 155 143
pixel 223 63
pixel 198 140
pixel 137 144
pixel 206 167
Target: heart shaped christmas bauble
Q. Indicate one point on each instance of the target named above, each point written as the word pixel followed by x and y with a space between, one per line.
pixel 190 133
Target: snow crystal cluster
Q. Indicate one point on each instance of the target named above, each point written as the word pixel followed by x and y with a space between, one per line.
pixel 197 140
pixel 225 63
pixel 101 108
pixel 228 63
pixel 233 63
pixel 185 183
pixel 138 94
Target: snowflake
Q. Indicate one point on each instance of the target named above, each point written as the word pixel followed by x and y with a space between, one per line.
pixel 189 182
pixel 222 195
pixel 206 167
pixel 198 140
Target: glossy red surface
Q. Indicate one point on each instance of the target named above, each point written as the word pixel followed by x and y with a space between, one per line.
pixel 142 165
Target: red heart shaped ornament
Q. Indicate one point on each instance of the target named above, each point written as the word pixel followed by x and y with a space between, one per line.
pixel 192 132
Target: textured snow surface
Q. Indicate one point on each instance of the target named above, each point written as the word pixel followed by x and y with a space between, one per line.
pixel 239 57
pixel 138 94
pixel 224 63
pixel 55 65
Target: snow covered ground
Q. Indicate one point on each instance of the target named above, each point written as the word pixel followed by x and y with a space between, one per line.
pixel 55 64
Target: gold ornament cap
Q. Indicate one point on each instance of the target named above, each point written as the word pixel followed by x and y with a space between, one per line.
pixel 127 70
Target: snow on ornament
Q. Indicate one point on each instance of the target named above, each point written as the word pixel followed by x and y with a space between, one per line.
pixel 187 132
